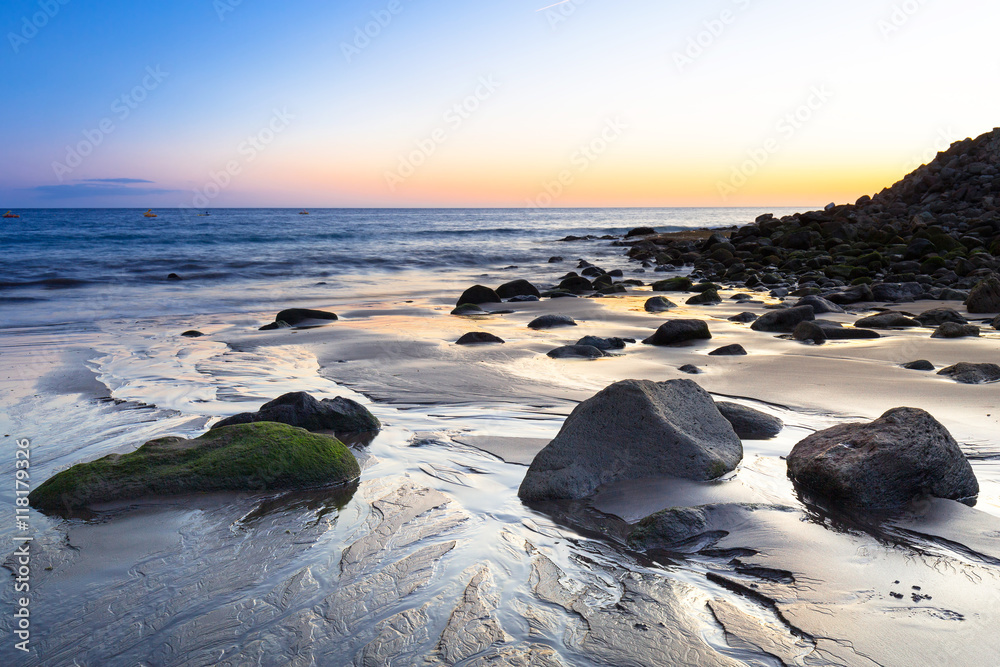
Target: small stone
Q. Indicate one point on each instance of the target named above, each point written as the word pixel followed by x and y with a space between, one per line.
pixel 920 365
pixel 734 350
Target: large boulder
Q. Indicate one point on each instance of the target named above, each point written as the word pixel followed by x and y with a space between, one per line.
pixel 630 430
pixel 658 304
pixel 478 294
pixel 517 288
pixel 903 455
pixel 985 297
pixel 952 330
pixel 784 320
pixel 340 415
pixel 246 457
pixel 969 373
pixel 673 332
pixel 748 423
pixel 938 316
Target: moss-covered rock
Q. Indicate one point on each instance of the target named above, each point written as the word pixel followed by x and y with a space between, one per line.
pixel 263 456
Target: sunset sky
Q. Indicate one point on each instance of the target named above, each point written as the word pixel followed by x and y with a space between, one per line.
pixel 641 103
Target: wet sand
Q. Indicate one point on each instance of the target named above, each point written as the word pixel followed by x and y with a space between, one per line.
pixel 434 557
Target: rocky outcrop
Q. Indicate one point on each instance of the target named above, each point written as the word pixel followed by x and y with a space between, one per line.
pixel 903 455
pixel 339 415
pixel 673 332
pixel 634 429
pixel 245 457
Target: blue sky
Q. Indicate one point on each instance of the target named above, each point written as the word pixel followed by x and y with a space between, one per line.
pixel 260 103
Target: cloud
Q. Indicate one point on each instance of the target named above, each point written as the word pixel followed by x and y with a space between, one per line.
pixel 101 188
pixel 120 181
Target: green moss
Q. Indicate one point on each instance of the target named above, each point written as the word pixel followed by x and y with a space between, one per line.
pixel 261 456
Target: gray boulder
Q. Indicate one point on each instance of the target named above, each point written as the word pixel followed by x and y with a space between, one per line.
pixel 897 291
pixel 630 430
pixel 952 330
pixel 551 321
pixel 889 320
pixel 673 332
pixel 938 316
pixel 748 423
pixel 340 415
pixel 690 369
pixel 603 344
pixel 903 455
pixel 919 365
pixel 856 294
pixel 659 304
pixel 734 350
pixel 819 304
pixel 968 373
pixel 743 318
pixel 985 297
pixel 576 352
pixel 783 321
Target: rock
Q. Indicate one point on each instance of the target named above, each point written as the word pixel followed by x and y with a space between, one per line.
pixel 174 276
pixel 556 259
pixel 670 527
pixel 630 430
pixel 996 322
pixel 897 291
pixel 819 305
pixel 903 455
pixel 938 316
pixel 809 331
pixel 478 337
pixel 246 457
pixel 659 304
pixel 516 288
pixel 706 297
pixel 985 296
pixel 576 284
pixel 745 317
pixel 921 365
pixel 280 324
pixel 576 352
pixel 734 350
pixel 604 344
pixel 296 316
pixel 340 415
pixel 952 330
pixel 679 284
pixel 673 332
pixel 641 231
pixel 856 294
pixel 748 423
pixel 468 309
pixel 968 373
pixel 690 369
pixel 887 320
pixel 192 334
pixel 783 321
pixel 478 294
pixel 551 321
pixel 523 298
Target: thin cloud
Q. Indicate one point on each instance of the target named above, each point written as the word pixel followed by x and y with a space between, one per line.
pixel 100 189
pixel 120 181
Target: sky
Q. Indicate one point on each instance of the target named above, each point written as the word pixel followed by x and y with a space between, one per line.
pixel 440 103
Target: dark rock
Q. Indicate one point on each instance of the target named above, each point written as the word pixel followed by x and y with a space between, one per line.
pixel 968 373
pixel 340 415
pixel 478 294
pixel 748 423
pixel 903 455
pixel 673 332
pixel 690 369
pixel 921 365
pixel 296 316
pixel 516 288
pixel 630 430
pixel 244 457
pixel 280 324
pixel 897 291
pixel 819 305
pixel 522 299
pixel 192 334
pixel 556 259
pixel 468 309
pixel 576 352
pixel 706 297
pixel 856 294
pixel 938 316
pixel 603 343
pixel 641 231
pixel 952 330
pixel 783 321
pixel 679 284
pixel 576 284
pixel 985 296
pixel 659 304
pixel 477 337
pixel 809 331
pixel 996 322
pixel 745 317
pixel 734 350
pixel 888 320
pixel 551 321
pixel 174 276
